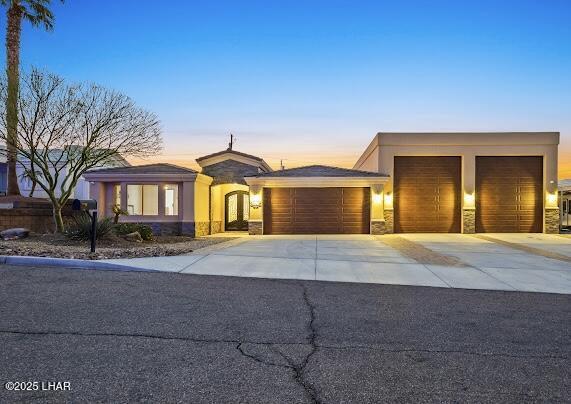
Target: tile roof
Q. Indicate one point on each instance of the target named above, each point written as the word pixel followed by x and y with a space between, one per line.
pixel 229 151
pixel 159 168
pixel 319 171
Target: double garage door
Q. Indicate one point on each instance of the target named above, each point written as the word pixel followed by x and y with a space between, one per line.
pixel 316 210
pixel 428 194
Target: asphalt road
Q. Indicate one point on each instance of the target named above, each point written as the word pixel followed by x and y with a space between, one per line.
pixel 163 337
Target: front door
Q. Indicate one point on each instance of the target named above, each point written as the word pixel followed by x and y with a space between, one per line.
pixel 237 211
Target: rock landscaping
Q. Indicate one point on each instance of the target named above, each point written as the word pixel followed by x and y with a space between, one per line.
pixel 59 246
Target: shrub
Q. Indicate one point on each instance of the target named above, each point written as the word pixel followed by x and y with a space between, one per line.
pixel 117 211
pixel 144 230
pixel 79 228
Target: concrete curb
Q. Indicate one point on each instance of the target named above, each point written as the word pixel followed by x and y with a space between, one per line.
pixel 68 263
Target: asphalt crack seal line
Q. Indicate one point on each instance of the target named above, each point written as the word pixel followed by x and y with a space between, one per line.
pixel 299 369
pixel 271 345
pixel 521 247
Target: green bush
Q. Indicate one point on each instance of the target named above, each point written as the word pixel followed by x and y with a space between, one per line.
pixel 79 227
pixel 144 230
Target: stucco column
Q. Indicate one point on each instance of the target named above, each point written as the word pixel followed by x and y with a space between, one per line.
pixel 123 200
pixel 468 193
pixel 187 207
pixel 161 199
pixel 255 222
pixel 97 192
pixel 552 217
pixel 377 210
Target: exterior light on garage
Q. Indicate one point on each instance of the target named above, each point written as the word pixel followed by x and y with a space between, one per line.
pixel 469 199
pixel 388 199
pixel 377 198
pixel 255 201
pixel 552 198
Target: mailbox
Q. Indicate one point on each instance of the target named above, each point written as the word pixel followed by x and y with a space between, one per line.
pixel 89 206
pixel 84 204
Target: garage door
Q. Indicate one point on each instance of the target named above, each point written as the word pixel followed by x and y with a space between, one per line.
pixel 316 210
pixel 427 197
pixel 509 194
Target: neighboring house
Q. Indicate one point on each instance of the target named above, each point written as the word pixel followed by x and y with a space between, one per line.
pixel 565 202
pixel 81 190
pixel 403 182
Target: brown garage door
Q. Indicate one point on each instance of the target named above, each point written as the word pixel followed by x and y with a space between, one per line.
pixel 509 194
pixel 427 196
pixel 316 210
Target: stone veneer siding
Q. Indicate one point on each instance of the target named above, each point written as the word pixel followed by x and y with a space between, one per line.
pixel 389 221
pixel 193 229
pixel 552 220
pixel 201 229
pixel 378 227
pixel 216 227
pixel 255 228
pixel 468 221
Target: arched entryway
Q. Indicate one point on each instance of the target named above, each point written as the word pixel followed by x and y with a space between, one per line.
pixel 237 211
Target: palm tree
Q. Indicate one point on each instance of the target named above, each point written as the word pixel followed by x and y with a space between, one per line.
pixel 37 13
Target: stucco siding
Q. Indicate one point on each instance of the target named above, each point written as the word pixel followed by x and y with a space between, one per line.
pixel 201 206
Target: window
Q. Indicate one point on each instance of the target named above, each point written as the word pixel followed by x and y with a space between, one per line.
pixel 143 200
pixel 118 195
pixel 171 200
pixel 565 206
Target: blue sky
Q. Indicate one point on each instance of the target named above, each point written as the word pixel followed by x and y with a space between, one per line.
pixel 313 81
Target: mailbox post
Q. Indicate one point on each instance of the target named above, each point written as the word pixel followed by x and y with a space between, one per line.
pixel 90 207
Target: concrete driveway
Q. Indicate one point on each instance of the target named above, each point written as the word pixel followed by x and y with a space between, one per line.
pixel 533 263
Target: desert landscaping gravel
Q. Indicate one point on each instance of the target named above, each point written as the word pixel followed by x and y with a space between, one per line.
pixel 60 247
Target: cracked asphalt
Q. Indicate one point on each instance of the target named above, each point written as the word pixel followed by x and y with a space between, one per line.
pixel 167 337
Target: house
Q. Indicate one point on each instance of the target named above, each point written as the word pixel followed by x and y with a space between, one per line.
pixel 81 190
pixel 179 200
pixel 403 182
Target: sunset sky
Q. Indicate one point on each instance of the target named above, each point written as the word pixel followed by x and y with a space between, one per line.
pixel 313 81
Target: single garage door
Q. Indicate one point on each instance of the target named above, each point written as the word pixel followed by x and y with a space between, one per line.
pixel 427 194
pixel 316 210
pixel 509 194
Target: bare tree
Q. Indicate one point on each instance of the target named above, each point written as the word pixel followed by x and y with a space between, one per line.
pixel 66 129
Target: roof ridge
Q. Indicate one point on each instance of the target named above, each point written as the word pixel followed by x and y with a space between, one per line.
pixel 320 170
pixel 229 151
pixel 142 166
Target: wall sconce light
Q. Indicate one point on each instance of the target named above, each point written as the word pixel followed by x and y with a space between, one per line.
pixel 377 198
pixel 469 199
pixel 552 198
pixel 388 199
pixel 255 201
